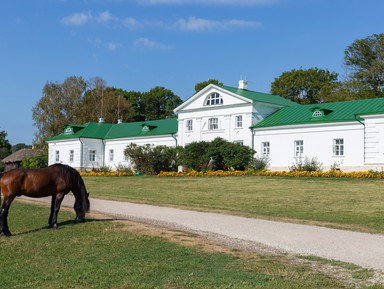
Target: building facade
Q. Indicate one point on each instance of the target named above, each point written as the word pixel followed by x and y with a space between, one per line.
pixel 347 135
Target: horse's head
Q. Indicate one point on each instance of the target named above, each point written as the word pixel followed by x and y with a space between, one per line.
pixel 82 204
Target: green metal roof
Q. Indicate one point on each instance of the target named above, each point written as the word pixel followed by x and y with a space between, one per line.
pixel 121 130
pixel 325 112
pixel 144 128
pixel 261 97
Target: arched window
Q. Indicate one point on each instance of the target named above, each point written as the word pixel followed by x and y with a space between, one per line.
pixel 214 99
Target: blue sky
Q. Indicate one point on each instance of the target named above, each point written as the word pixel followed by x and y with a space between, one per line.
pixel 139 44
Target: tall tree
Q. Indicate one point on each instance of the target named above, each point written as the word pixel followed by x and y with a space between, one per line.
pixel 365 60
pixel 5 148
pixel 158 103
pixel 111 105
pixel 199 86
pixel 59 105
pixel 313 85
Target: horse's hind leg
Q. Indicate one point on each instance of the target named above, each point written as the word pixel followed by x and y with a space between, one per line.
pixel 4 216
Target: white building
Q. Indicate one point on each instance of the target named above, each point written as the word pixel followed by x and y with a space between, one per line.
pixel 348 134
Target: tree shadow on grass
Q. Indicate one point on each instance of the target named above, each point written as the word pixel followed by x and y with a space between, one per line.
pixel 63 224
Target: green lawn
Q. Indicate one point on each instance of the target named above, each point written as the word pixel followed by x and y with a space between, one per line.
pixel 356 204
pixel 102 253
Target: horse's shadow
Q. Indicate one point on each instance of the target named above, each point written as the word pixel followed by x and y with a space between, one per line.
pixel 62 225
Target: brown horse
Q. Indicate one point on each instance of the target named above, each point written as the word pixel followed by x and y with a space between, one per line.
pixel 56 181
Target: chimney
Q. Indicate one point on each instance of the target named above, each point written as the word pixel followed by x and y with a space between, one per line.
pixel 101 119
pixel 119 120
pixel 243 84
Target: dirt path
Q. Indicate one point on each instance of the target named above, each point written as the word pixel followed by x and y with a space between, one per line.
pixel 366 250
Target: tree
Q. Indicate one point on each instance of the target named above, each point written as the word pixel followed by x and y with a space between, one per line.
pixel 365 60
pixel 59 105
pixel 20 146
pixel 158 103
pixel 313 85
pixel 110 104
pixel 199 86
pixel 5 148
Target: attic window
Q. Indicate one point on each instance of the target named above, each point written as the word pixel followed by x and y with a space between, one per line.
pixel 317 113
pixel 214 99
pixel 68 130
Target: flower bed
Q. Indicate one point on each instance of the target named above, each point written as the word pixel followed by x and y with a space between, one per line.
pixel 328 174
pixel 219 173
pixel 106 174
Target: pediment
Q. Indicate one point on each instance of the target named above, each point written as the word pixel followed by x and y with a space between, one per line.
pixel 212 97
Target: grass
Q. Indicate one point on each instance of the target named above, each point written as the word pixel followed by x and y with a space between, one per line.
pixel 102 253
pixel 354 204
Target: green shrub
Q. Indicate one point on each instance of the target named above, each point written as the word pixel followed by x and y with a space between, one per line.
pixel 35 162
pixel 218 154
pixel 152 160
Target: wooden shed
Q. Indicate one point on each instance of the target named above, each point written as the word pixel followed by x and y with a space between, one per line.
pixel 14 160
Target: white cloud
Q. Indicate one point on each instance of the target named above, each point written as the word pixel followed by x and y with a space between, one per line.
pixel 147 43
pixel 77 19
pixel 211 2
pixel 201 25
pixel 113 46
pixel 131 23
pixel 105 16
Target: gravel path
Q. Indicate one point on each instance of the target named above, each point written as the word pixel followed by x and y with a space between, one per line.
pixel 366 250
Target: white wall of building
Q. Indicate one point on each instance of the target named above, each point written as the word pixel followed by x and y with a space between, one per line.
pixel 114 149
pixel 62 150
pixel 318 142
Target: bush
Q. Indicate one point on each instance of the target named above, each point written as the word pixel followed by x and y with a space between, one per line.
pixel 259 164
pixel 35 162
pixel 151 160
pixel 308 165
pixel 218 154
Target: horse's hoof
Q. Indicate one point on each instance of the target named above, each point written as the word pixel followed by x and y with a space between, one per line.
pixel 6 234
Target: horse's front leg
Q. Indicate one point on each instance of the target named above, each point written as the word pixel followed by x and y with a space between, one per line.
pixel 4 216
pixel 50 224
pixel 55 207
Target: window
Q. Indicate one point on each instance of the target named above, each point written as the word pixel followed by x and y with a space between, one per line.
pixel 317 113
pixel 92 155
pixel 213 123
pixel 338 147
pixel 239 121
pixel 299 148
pixel 189 125
pixel 71 155
pixel 111 152
pixel 240 142
pixel 57 156
pixel 265 148
pixel 214 99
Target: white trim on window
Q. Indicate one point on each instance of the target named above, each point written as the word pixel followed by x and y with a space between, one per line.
pixel 299 148
pixel 265 148
pixel 238 121
pixel 111 155
pixel 213 123
pixel 92 155
pixel 189 125
pixel 71 156
pixel 338 147
pixel 214 99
